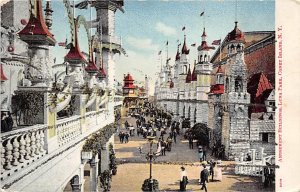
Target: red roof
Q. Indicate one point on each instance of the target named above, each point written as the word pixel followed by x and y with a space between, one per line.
pixel 220 70
pixel 217 89
pixel 2 75
pixel 91 68
pixel 37 26
pixel 184 49
pixel 258 86
pixel 75 53
pixel 128 77
pixel 188 76
pixel 236 34
pixel 194 75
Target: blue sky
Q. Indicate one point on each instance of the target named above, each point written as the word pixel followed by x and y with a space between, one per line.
pixel 147 25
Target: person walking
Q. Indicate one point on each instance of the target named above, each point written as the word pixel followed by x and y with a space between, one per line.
pixel 126 137
pixel 200 153
pixel 191 145
pixel 204 177
pixel 211 169
pixel 183 179
pixel 174 136
pixel 204 153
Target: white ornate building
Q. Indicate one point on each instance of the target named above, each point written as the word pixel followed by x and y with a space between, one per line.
pixel 62 129
pixel 237 108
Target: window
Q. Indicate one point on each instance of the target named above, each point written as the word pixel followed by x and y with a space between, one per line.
pixel 272 105
pixel 238 84
pixel 265 137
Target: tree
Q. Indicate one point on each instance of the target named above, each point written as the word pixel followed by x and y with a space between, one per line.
pixel 200 132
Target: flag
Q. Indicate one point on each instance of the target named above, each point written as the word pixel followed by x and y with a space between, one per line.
pixel 193 45
pixel 159 52
pixel 201 14
pixel 82 5
pixel 216 42
pixel 183 28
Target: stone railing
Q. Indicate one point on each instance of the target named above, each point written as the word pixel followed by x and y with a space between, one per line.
pixel 20 148
pixel 68 129
pixel 249 169
pixel 91 119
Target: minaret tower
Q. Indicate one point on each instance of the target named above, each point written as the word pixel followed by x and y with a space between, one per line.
pixel 203 68
pixel 235 125
pixel 106 32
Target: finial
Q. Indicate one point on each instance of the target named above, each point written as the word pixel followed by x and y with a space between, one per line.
pixel 236 22
pixel 48 13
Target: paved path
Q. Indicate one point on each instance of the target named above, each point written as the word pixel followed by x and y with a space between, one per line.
pixel 134 168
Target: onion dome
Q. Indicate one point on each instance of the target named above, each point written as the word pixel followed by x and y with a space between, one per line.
pixel 184 49
pixel 36 30
pixel 2 75
pixel 194 75
pixel 236 34
pixel 188 76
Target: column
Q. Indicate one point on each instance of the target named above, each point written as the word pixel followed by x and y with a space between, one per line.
pixel 94 174
pixel 104 159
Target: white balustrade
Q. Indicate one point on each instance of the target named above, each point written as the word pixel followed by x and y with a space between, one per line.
pixel 20 148
pixel 90 119
pixel 68 129
pixel 249 169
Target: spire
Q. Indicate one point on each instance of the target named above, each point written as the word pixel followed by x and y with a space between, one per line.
pixel 2 75
pixel 75 53
pixel 177 54
pixel 48 14
pixel 194 75
pixel 184 49
pixel 203 35
pixel 188 76
pixel 36 27
pixel 204 45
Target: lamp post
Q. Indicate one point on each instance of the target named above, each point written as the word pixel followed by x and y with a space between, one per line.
pixel 149 183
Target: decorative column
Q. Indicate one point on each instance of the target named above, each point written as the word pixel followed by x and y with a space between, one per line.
pixel 104 158
pixel 94 174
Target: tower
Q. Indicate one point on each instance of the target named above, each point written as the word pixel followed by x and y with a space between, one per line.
pixel 203 68
pixel 235 125
pixel 106 31
pixel 147 86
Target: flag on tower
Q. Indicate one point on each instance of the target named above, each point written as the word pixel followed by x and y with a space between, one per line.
pixel 201 14
pixel 193 45
pixel 63 44
pixel 216 42
pixel 183 28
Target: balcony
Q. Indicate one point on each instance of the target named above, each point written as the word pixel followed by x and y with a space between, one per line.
pixel 25 149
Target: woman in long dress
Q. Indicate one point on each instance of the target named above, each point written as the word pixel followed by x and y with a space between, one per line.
pixel 183 179
pixel 217 173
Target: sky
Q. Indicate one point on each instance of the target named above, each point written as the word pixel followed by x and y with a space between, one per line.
pixel 146 26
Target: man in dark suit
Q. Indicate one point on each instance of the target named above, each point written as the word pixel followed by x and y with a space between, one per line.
pixel 204 177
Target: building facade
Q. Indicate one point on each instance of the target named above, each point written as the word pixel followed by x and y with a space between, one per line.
pixel 230 91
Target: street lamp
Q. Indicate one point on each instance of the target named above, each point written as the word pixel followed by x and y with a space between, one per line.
pixel 150 184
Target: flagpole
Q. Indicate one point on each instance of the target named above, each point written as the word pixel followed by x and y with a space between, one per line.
pixel 220 49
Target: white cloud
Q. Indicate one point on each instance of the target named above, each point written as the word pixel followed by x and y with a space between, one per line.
pixel 165 29
pixel 145 44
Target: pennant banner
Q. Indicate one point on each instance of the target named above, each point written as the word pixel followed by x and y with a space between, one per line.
pixel 216 42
